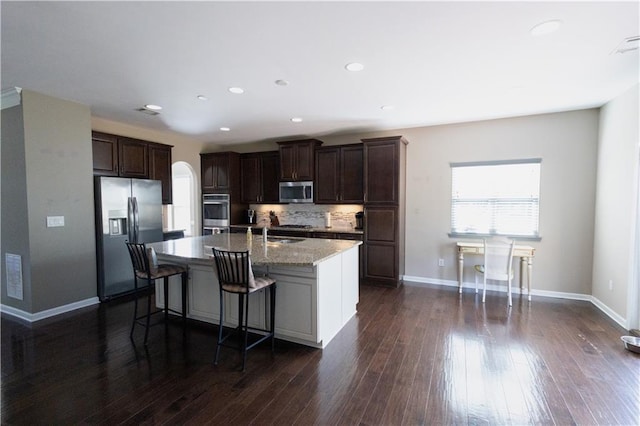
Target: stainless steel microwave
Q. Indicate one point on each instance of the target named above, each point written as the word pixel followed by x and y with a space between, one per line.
pixel 296 192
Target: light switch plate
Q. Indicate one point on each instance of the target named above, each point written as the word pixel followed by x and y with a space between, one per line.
pixel 55 221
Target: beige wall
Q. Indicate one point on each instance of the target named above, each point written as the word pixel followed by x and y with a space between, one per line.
pixel 566 142
pixel 617 193
pixel 60 264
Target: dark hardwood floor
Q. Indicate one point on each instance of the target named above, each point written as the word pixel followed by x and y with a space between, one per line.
pixel 412 355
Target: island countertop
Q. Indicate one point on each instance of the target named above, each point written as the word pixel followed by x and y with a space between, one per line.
pixel 278 251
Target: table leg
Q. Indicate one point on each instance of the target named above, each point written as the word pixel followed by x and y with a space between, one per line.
pixel 460 269
pixel 529 274
pixel 523 264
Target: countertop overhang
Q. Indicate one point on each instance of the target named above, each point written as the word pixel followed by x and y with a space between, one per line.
pixel 302 252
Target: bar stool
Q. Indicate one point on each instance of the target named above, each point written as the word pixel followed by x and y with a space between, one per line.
pixel 145 267
pixel 235 276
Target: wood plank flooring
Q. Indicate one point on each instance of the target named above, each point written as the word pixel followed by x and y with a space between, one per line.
pixel 413 355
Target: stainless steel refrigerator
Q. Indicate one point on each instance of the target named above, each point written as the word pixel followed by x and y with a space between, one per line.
pixel 126 210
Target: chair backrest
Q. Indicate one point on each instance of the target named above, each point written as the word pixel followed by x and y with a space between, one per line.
pixel 139 257
pixel 234 268
pixel 498 258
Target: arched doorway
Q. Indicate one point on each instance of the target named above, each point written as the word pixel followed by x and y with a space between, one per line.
pixel 184 198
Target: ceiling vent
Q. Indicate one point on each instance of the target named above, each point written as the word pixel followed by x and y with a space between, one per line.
pixel 629 44
pixel 147 111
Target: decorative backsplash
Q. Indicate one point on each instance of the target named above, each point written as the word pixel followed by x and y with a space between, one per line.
pixel 342 216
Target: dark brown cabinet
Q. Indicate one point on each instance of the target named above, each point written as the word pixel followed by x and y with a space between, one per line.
pixel 121 156
pixel 384 210
pixel 105 154
pixel 382 172
pixel 339 178
pixel 133 156
pixel 260 173
pixel 220 172
pixel 297 159
pixel 160 169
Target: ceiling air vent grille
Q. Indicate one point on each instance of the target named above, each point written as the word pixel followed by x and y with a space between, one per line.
pixel 627 45
pixel 147 111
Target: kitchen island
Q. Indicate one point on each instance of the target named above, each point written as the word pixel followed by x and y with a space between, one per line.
pixel 317 283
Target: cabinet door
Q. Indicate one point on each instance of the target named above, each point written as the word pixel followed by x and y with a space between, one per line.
pixel 160 169
pixel 270 177
pixel 351 169
pixel 250 179
pixel 105 154
pixel 305 160
pixel 215 172
pixel 133 156
pixel 381 263
pixel 327 180
pixel 221 171
pixel 381 164
pixel 287 162
pixel 206 173
pixel 381 248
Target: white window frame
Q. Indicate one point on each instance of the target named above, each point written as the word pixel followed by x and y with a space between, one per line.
pixel 484 204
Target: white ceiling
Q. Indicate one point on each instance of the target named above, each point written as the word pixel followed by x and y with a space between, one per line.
pixel 436 62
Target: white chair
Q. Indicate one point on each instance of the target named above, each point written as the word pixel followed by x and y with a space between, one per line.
pixel 498 263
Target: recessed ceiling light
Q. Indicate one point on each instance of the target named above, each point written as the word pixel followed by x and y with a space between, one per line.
pixel 354 66
pixel 296 120
pixel 236 90
pixel 387 107
pixel 153 107
pixel 224 129
pixel 545 28
pixel 202 97
pixel 282 82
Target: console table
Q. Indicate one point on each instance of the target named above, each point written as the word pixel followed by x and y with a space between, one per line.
pixel 525 253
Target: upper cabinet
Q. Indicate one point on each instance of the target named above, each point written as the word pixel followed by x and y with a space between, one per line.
pixel 260 173
pixel 220 173
pixel 382 170
pixel 297 159
pixel 105 154
pixel 339 178
pixel 160 169
pixel 133 158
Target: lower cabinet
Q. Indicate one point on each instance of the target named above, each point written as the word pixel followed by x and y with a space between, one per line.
pixel 381 248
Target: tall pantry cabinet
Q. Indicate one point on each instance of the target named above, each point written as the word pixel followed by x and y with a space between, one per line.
pixel 384 209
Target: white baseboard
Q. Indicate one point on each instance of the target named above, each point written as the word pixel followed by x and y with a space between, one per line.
pixel 29 317
pixel 416 281
pixel 622 322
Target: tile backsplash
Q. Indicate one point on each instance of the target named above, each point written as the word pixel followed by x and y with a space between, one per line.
pixel 342 215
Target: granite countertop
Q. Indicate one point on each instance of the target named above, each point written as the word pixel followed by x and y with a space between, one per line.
pixel 335 229
pixel 302 252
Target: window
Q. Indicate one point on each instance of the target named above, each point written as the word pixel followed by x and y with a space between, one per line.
pixel 182 214
pixel 496 198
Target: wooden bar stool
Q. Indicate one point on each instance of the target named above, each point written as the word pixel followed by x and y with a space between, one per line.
pixel 145 267
pixel 235 276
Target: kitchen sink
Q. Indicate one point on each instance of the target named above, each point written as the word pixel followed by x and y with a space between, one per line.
pixel 283 240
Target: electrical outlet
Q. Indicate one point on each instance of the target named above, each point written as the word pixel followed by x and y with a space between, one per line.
pixel 55 221
pixel 440 262
pixel 610 285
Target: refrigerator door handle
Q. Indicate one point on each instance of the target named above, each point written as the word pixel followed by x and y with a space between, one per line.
pixel 130 219
pixel 136 219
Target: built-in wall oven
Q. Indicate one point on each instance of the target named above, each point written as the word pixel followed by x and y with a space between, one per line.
pixel 215 213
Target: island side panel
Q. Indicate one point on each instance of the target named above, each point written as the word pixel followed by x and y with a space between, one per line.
pixel 329 299
pixel 350 284
pixel 296 304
